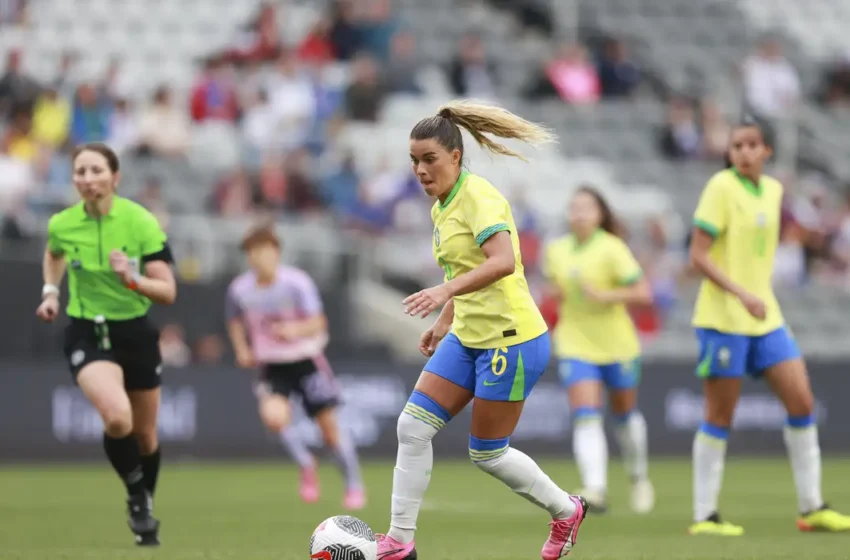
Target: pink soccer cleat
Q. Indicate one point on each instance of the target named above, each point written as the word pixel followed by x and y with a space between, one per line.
pixel 391 549
pixel 355 499
pixel 309 488
pixel 564 532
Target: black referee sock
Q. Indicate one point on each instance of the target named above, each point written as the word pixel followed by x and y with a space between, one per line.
pixel 123 453
pixel 150 469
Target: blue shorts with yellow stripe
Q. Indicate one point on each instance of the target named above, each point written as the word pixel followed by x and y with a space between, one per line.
pixel 496 374
pixel 617 376
pixel 734 355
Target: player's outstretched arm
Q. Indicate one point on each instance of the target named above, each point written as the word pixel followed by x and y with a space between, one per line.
pixel 301 328
pixel 638 293
pixel 500 263
pixel 53 268
pixel 157 283
pixel 701 242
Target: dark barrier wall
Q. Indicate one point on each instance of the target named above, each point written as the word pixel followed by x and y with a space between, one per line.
pixel 199 310
pixel 211 413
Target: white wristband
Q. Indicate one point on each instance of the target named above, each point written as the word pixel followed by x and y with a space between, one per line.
pixel 49 289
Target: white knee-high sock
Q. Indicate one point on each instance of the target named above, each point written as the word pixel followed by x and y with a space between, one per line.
pixel 632 437
pixel 709 456
pixel 521 474
pixel 345 453
pixel 801 439
pixel 418 424
pixel 590 449
pixel 296 448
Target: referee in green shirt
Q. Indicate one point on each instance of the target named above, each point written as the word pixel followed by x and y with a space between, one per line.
pixel 118 264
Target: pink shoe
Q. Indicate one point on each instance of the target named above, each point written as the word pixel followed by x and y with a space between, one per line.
pixel 391 549
pixel 309 489
pixel 354 499
pixel 564 532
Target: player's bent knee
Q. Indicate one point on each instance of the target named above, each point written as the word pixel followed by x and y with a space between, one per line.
pixel 420 420
pixel 412 430
pixel 274 412
pixel 117 420
pixel 486 454
pixel 802 406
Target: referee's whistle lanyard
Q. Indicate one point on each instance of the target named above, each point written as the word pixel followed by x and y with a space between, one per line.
pixel 101 331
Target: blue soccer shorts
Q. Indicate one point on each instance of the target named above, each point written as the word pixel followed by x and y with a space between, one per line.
pixel 734 355
pixel 496 374
pixel 617 376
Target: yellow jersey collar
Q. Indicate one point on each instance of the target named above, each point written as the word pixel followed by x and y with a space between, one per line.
pixel 749 185
pixel 460 181
pixel 578 245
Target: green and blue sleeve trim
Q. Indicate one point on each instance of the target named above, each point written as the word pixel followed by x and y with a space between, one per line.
pixel 708 228
pixel 632 279
pixel 489 232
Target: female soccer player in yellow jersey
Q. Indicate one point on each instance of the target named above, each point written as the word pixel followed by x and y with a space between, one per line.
pixel 498 346
pixel 594 275
pixel 741 330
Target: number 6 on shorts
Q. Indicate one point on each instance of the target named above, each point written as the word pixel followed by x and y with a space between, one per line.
pixel 510 372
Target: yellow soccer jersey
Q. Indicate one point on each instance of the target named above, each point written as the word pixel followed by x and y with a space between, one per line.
pixel 503 313
pixel 744 220
pixel 594 332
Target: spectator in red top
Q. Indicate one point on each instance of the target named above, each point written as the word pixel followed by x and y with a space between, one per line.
pixel 259 40
pixel 317 47
pixel 214 97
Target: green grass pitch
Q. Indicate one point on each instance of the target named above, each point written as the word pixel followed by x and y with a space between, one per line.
pixel 251 512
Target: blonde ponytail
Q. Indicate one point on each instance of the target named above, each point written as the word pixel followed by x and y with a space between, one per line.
pixel 480 118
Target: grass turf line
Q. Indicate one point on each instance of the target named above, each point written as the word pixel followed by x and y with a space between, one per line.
pixel 251 512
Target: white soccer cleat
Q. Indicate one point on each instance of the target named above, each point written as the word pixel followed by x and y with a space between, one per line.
pixel 643 496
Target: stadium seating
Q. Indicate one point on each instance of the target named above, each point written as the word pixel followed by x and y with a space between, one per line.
pixel 689 46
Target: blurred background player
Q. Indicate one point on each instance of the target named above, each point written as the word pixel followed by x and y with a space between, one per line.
pixel 117 258
pixel 276 322
pixel 741 330
pixel 498 346
pixel 594 275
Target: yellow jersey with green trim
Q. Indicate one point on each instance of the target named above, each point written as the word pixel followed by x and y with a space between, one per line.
pixel 598 333
pixel 744 220
pixel 503 313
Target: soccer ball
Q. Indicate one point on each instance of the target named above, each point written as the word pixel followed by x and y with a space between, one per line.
pixel 343 538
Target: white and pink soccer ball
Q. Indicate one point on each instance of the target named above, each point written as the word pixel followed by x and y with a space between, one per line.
pixel 343 538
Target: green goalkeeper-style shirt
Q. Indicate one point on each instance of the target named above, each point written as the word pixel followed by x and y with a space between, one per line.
pixel 86 242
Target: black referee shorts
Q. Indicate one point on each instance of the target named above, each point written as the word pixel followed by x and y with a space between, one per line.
pixel 133 345
pixel 317 388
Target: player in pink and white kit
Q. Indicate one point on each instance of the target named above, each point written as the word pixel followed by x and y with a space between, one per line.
pixel 277 323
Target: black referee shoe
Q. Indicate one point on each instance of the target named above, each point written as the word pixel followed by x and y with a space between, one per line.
pixel 141 520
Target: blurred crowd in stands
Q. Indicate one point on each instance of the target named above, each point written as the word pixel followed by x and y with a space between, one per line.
pixel 287 104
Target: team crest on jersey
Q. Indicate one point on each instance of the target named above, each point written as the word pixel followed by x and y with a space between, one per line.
pixel 761 219
pixel 437 237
